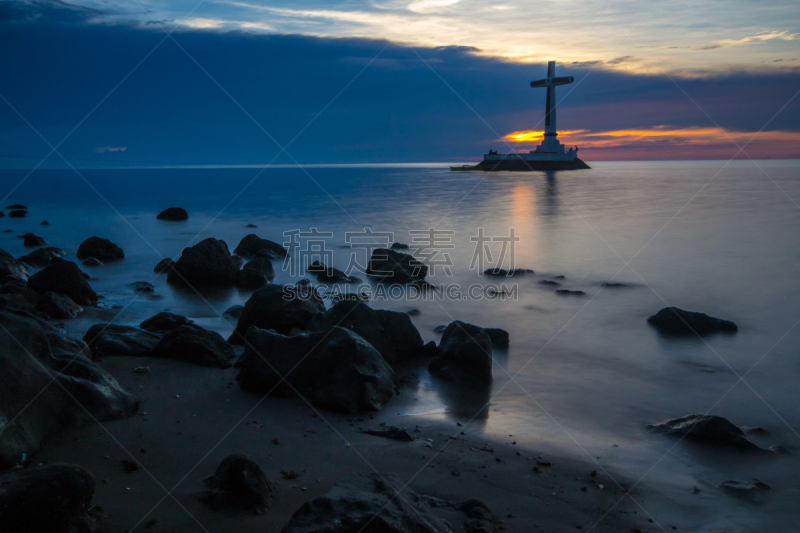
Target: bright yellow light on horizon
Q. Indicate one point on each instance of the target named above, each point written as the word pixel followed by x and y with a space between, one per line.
pixel 533 136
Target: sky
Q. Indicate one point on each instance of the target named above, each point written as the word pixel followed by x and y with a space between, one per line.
pixel 230 82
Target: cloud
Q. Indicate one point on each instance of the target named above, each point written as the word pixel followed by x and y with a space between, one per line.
pixel 47 11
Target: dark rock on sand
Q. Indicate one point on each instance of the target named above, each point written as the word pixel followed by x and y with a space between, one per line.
pixel 465 355
pixel 50 498
pixel 64 277
pixel 99 248
pixel 335 369
pixel 679 322
pixel 17 213
pixel 367 502
pixel 16 206
pixel 206 264
pixel 164 322
pixel 43 256
pixel 164 266
pixel 11 267
pixel 113 339
pixel 390 432
pixel 395 267
pixel 504 272
pixel 142 286
pixel 392 333
pixel 239 482
pixel 567 292
pixel 252 245
pixel 234 311
pixel 278 307
pixel 32 355
pixel 29 240
pixel 58 306
pixel 173 213
pixel 91 262
pixel 707 430
pixel 196 345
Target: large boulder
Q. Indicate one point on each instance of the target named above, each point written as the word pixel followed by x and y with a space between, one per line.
pixel 16 286
pixel 278 307
pixel 58 306
pixel 113 339
pixel 395 267
pixel 674 321
pixel 367 502
pixel 173 214
pixel 465 355
pixel 164 322
pixel 32 355
pixel 335 369
pixel 193 344
pixel 708 430
pixel 50 498
pixel 99 248
pixel 252 246
pixel 64 277
pixel 261 264
pixel 392 333
pixel 11 267
pixel 240 482
pixel 206 264
pixel 43 256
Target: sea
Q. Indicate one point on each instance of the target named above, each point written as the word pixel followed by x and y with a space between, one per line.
pixel 584 373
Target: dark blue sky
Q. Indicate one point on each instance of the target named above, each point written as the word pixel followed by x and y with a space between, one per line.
pixel 174 107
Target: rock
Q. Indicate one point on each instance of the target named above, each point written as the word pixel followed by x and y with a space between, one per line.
pixel 394 267
pixel 17 206
pixel 504 272
pixel 392 333
pixel 206 264
pixel 499 337
pixel 29 240
pixel 707 430
pixel 113 339
pixel 367 502
pixel 326 274
pixel 15 287
pixel 142 286
pixel 32 355
pixel 17 303
pixel 44 223
pixel 237 262
pixel 2 215
pixel 240 482
pixel 390 432
pixel 753 490
pixel 58 306
pixel 465 355
pixel 43 256
pixel 11 267
pixel 479 518
pixel 99 248
pixel 193 344
pixel 549 282
pixel 278 307
pixel 91 262
pixel 399 246
pixel 50 498
pixel 173 214
pixel 17 213
pixel 164 322
pixel 612 285
pixel 567 292
pixel 64 277
pixel 234 311
pixel 250 278
pixel 263 265
pixel 679 322
pixel 253 245
pixel 440 329
pixel 335 369
pixel 251 226
pixel 164 266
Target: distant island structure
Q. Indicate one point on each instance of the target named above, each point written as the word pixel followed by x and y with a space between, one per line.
pixel 551 154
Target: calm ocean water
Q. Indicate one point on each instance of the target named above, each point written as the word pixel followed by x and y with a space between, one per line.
pixel 588 372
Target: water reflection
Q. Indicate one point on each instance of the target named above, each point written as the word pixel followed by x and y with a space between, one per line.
pixel 465 403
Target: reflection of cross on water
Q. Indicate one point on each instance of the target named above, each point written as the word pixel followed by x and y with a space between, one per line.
pixel 550 143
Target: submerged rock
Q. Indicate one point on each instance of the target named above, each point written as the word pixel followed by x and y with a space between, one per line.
pixel 193 344
pixel 252 245
pixel 91 262
pixel 367 502
pixel 504 272
pixel 29 240
pixel 32 355
pixel 58 306
pixel 278 307
pixel 142 286
pixel 392 333
pixel 64 277
pixel 206 264
pixel 49 498
pixel 240 482
pixel 465 355
pixel 173 214
pixel 16 206
pixel 99 248
pixel 164 266
pixel 394 267
pixel 549 282
pixel 43 256
pixel 17 213
pixel 567 292
pixel 708 430
pixel 676 321
pixel 336 369
pixel 106 340
pixel 164 322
